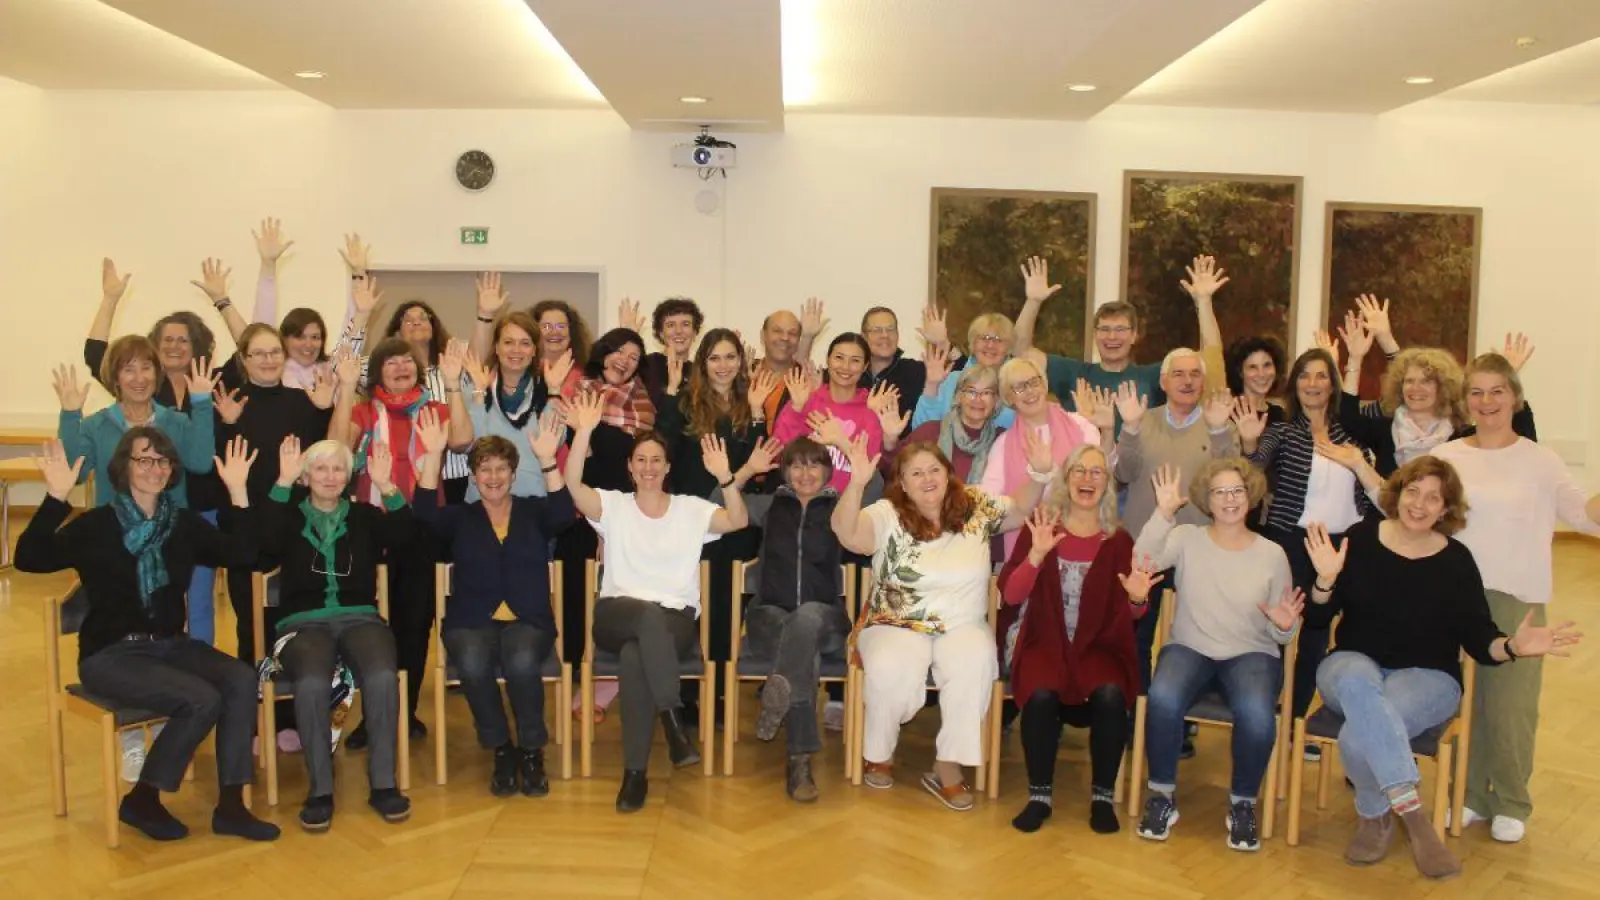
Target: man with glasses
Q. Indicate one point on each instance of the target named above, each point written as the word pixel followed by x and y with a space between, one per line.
pixel 889 363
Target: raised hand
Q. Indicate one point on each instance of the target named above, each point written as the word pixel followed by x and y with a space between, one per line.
pixel 1251 423
pixel 477 372
pixel 491 297
pixel 813 318
pixel 1205 278
pixel 1218 409
pixel 451 362
pixel 1170 496
pixel 356 255
pixel 348 370
pixel 291 461
pixel 1347 455
pixel 763 457
pixel 938 366
pixel 202 377
pixel 432 431
pixel 1357 339
pixel 1325 341
pixel 1327 559
pixel 365 295
pixel 322 388
pixel 71 394
pixel 1098 405
pixel 1140 580
pixel 556 371
pixel 893 421
pixel 1286 614
pixel 883 394
pixel 1518 350
pixel 674 373
pixel 60 476
pixel 213 279
pixel 1537 640
pixel 545 441
pixel 714 456
pixel 827 428
pixel 1374 314
pixel 380 466
pixel 1044 528
pixel 269 240
pixel 763 381
pixel 584 411
pixel 1037 451
pixel 628 315
pixel 862 464
pixel 1131 405
pixel 934 332
pixel 233 467
pixel 229 405
pixel 801 382
pixel 112 286
pixel 1036 286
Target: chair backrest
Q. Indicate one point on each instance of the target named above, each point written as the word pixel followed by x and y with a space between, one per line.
pixel 56 625
pixel 1291 650
pixel 442 573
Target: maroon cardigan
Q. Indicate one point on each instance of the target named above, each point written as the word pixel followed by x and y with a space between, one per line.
pixel 1102 649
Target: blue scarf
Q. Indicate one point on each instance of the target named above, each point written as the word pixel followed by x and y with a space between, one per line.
pixel 146 538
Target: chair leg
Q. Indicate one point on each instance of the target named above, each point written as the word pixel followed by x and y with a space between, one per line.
pixel 1136 759
pixel 563 716
pixel 58 760
pixel 1285 728
pixel 403 735
pixel 996 704
pixel 1324 775
pixel 269 739
pixel 708 720
pixel 1296 764
pixel 1269 792
pixel 188 772
pixel 1458 780
pixel 440 760
pixel 110 756
pixel 857 712
pixel 730 716
pixel 1441 788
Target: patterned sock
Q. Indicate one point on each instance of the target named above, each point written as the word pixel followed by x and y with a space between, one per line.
pixel 1103 794
pixel 1404 799
pixel 1235 798
pixel 1041 793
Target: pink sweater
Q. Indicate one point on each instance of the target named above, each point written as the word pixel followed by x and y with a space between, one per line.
pixel 853 413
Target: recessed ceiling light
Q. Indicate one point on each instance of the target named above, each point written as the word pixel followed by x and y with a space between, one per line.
pixel 1080 88
pixel 693 99
pixel 1419 79
pixel 310 73
pixel 1524 43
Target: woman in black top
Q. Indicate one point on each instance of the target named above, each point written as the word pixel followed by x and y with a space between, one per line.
pixel 1412 600
pixel 327 550
pixel 134 556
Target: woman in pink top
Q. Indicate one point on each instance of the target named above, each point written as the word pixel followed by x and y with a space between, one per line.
pixel 812 402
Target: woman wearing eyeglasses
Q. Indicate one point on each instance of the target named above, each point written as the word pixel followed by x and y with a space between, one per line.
pixel 989 337
pixel 968 432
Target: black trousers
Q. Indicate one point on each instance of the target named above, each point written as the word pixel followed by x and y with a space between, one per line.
pixel 411 612
pixel 1106 717
pixel 1314 626
pixel 649 640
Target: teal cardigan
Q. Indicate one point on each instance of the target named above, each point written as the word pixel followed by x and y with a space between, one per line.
pixel 95 438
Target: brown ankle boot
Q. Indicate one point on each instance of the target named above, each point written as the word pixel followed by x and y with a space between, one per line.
pixel 1370 844
pixel 1432 857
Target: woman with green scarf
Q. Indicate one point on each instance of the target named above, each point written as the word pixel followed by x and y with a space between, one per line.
pixel 967 432
pixel 328 550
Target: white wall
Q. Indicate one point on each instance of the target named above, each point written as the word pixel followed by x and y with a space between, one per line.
pixel 836 207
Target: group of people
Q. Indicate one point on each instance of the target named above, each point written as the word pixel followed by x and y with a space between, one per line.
pixel 1096 490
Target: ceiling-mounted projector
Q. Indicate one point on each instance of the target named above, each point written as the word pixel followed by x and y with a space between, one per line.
pixel 706 152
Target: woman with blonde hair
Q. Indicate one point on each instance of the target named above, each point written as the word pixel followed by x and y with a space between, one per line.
pixel 967 433
pixel 1071 655
pixel 989 342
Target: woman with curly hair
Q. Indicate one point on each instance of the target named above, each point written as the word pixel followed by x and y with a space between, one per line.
pixel 1255 367
pixel 929 539
pixel 561 331
pixel 676 323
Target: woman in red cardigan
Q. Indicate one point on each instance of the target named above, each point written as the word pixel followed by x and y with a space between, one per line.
pixel 1071 654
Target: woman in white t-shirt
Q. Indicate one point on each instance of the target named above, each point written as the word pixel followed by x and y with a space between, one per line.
pixel 929 539
pixel 650 587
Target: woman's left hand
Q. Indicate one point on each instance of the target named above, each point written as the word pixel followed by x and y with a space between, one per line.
pixel 1347 455
pixel 380 467
pixel 763 381
pixel 714 455
pixel 546 440
pixel 433 432
pixel 1284 616
pixel 1037 450
pixel 233 468
pixel 763 458
pixel 1140 580
pixel 322 387
pixel 1538 640
pixel 202 378
pixel 555 373
pixel 451 362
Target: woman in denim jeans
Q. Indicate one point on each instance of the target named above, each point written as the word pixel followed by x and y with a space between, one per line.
pixel 1412 599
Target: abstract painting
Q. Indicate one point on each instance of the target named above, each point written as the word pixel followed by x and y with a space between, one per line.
pixel 979 241
pixel 1250 223
pixel 1423 259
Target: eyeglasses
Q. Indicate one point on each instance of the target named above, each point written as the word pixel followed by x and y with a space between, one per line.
pixel 553 327
pixel 1032 384
pixel 881 330
pixel 990 338
pixel 1095 474
pixel 415 322
pixel 1117 330
pixel 1228 493
pixel 979 394
pixel 146 463
pixel 258 355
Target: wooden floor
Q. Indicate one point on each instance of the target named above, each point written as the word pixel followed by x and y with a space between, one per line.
pixel 739 837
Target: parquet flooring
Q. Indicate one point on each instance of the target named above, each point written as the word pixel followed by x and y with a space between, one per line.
pixel 739 837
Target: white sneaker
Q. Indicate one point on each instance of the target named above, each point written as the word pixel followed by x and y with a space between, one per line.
pixel 132 756
pixel 833 715
pixel 1469 817
pixel 1505 829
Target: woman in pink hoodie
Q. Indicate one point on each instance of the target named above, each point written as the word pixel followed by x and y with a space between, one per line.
pixel 812 401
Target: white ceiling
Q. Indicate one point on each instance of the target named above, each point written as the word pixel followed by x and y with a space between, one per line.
pixel 759 60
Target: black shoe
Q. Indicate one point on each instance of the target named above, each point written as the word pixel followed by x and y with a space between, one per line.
pixel 1160 814
pixel 503 781
pixel 419 731
pixel 679 747
pixel 153 820
pixel 391 804
pixel 802 788
pixel 317 813
pixel 1187 751
pixel 534 781
pixel 1242 834
pixel 357 739
pixel 634 788
pixel 241 823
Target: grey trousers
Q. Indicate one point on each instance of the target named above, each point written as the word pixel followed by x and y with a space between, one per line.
pixel 794 641
pixel 649 640
pixel 366 645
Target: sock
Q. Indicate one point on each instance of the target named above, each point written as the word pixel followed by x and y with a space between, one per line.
pixel 1032 815
pixel 1103 812
pixel 230 800
pixel 1235 800
pixel 1165 790
pixel 1041 793
pixel 1404 799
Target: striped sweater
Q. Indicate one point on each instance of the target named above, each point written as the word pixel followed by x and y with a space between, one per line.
pixel 1284 453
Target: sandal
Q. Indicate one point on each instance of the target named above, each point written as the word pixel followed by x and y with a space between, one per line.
pixel 958 798
pixel 878 775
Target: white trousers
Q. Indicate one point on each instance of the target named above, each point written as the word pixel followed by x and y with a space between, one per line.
pixel 896 663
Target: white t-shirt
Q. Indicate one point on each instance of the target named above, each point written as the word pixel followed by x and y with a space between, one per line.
pixel 654 559
pixel 933 586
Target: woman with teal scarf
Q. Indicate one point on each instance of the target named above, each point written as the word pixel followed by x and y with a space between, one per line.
pixel 327 550
pixel 510 392
pixel 967 432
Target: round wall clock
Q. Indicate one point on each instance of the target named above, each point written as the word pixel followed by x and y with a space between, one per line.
pixel 474 170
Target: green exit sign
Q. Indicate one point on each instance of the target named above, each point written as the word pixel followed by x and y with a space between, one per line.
pixel 474 235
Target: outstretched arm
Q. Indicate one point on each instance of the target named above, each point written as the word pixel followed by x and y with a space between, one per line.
pixel 1036 289
pixel 584 416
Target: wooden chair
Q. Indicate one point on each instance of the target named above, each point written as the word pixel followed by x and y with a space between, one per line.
pixel 1211 709
pixel 1446 744
pixel 556 673
pixel 62 696
pixel 742 666
pixel 856 705
pixel 599 665
pixel 279 688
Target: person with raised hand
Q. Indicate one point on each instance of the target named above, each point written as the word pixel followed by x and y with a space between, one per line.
pixel 1518 490
pixel 968 432
pixel 511 392
pixel 929 538
pixel 304 333
pixel 676 324
pixel 179 338
pixel 499 618
pixel 1238 608
pixel 889 366
pixel 988 344
pixel 1071 655
pixel 650 581
pixel 841 395
pixel 133 556
pixel 328 549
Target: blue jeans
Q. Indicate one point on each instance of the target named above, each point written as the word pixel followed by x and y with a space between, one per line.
pixel 1250 683
pixel 202 598
pixel 518 650
pixel 1383 710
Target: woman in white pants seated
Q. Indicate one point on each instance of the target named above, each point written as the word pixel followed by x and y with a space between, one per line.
pixel 929 539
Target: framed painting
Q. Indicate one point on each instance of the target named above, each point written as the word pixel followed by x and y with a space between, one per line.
pixel 1423 259
pixel 979 240
pixel 1250 223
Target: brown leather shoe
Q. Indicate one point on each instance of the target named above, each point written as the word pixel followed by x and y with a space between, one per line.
pixel 1370 844
pixel 1432 857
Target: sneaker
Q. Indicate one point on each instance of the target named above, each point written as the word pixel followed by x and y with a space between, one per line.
pixel 1469 817
pixel 1242 833
pixel 1504 829
pixel 1313 753
pixel 833 715
pixel 1160 814
pixel 133 759
pixel 535 783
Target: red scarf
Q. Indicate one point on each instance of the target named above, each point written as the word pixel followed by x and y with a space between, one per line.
pixel 627 405
pixel 392 411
